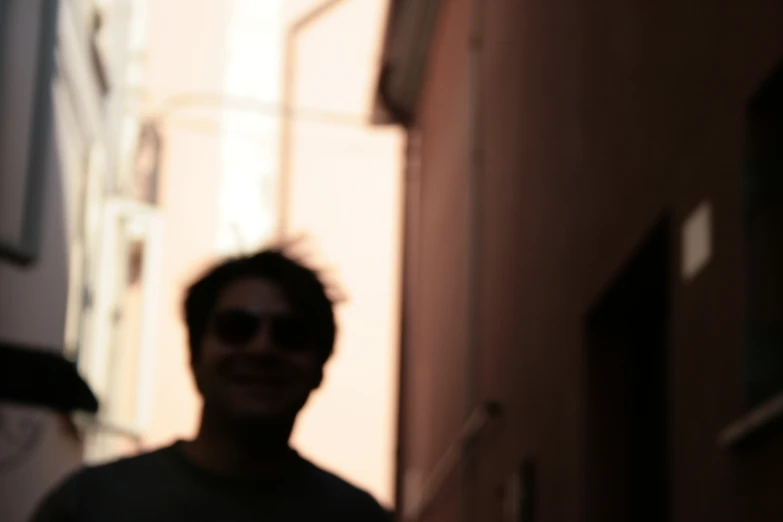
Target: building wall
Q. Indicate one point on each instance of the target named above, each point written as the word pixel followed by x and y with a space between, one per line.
pixel 247 203
pixel 37 447
pixel 345 200
pixel 32 311
pixel 436 305
pixel 219 179
pixel 598 118
pixel 191 63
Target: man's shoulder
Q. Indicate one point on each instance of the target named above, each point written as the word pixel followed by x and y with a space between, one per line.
pixel 124 467
pixel 80 488
pixel 332 481
pixel 343 492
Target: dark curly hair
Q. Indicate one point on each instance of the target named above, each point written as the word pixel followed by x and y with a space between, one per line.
pixel 302 285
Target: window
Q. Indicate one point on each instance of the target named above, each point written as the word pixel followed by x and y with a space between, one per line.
pixel 763 179
pixel 140 151
pixel 147 164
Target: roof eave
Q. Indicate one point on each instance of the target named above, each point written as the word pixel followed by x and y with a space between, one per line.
pixel 409 29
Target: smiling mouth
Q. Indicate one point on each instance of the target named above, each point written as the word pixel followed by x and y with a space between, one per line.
pixel 261 381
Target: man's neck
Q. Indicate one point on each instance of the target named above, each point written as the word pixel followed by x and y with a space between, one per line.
pixel 248 450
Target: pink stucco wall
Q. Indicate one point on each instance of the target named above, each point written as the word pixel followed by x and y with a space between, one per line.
pixel 345 198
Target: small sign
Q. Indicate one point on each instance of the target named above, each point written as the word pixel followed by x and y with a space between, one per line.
pixel 696 241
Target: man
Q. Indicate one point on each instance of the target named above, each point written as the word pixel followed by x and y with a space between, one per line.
pixel 260 329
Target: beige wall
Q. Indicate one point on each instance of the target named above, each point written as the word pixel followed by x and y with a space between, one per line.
pixel 346 198
pixel 190 62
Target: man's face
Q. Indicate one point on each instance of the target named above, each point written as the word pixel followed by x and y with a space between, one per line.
pixel 257 360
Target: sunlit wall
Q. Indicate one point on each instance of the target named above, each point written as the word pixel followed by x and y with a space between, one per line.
pixel 216 86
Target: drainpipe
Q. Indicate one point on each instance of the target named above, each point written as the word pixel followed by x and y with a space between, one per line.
pixel 475 209
pixel 287 95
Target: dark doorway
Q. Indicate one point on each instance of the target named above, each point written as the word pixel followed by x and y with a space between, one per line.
pixel 763 191
pixel 627 400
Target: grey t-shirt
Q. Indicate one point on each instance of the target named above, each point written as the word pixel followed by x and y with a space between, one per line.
pixel 165 486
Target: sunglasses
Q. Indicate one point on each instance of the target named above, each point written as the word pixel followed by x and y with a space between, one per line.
pixel 238 327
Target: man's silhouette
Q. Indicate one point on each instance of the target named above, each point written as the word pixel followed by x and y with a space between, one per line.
pixel 260 329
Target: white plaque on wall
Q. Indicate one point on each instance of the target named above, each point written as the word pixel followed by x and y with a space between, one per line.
pixel 696 241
